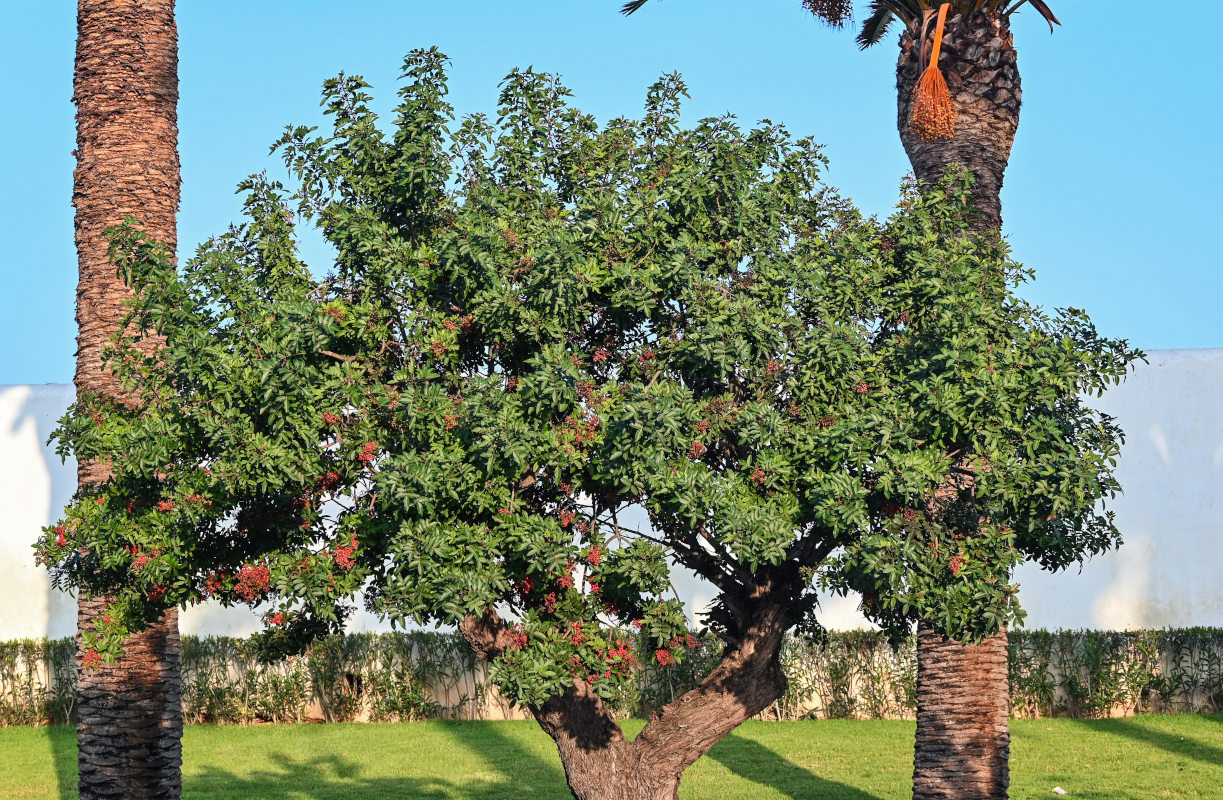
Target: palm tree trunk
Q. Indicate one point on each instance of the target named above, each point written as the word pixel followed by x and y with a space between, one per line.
pixel 978 59
pixel 126 91
pixel 963 694
pixel 963 736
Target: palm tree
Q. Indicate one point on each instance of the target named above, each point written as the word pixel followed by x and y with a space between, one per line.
pixel 126 91
pixel 963 737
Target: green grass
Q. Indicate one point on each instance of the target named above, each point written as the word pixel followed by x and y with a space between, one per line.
pixel 1125 759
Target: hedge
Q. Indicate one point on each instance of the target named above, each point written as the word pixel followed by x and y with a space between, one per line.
pixel 419 675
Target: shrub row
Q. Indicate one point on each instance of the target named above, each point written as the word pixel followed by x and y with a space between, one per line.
pixel 408 676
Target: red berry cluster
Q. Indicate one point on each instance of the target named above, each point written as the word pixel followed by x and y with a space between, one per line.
pixel 687 641
pixel 582 429
pixel 343 553
pixel 956 564
pixel 575 633
pixel 252 582
pixel 329 418
pixel 619 660
pixel 368 452
pixel 696 450
pixel 213 583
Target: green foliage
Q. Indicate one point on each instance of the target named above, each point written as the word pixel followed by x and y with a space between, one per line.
pixel 1092 673
pixel 37 681
pixel 841 675
pixel 538 323
pixel 392 677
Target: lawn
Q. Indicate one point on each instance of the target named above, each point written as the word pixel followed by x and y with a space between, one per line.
pixel 1126 759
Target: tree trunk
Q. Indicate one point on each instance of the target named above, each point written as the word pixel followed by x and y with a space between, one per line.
pixel 979 63
pixel 130 726
pixel 963 694
pixel 963 738
pixel 126 92
pixel 601 765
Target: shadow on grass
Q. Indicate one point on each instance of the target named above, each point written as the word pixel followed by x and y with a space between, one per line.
pixel 1183 746
pixel 510 768
pixel 62 739
pixel 754 762
pixel 507 769
pixel 330 778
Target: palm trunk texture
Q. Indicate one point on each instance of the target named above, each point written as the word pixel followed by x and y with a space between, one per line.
pixel 963 734
pixel 126 91
pixel 978 61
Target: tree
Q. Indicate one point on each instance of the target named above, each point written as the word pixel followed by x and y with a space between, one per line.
pixel 963 739
pixel 126 91
pixel 979 60
pixel 536 324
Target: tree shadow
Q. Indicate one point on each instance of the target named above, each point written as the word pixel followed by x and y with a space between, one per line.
pixel 754 762
pixel 510 767
pixel 62 739
pixel 329 777
pixel 493 742
pixel 1181 746
pixel 508 770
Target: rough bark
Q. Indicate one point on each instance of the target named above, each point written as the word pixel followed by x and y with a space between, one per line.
pixel 963 738
pixel 130 725
pixel 979 62
pixel 601 765
pixel 126 91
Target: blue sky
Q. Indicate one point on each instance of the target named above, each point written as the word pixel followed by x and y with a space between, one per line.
pixel 1115 177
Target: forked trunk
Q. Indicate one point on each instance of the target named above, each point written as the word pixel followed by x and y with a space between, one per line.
pixel 601 765
pixel 963 693
pixel 963 738
pixel 979 63
pixel 126 91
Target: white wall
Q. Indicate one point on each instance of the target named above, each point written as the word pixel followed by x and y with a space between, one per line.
pixel 1167 573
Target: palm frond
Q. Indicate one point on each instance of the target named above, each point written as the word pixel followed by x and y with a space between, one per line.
pixel 876 25
pixel 1040 6
pixel 632 6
